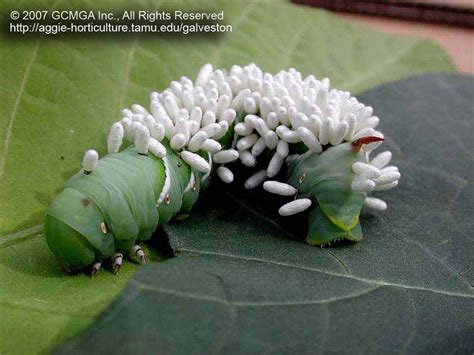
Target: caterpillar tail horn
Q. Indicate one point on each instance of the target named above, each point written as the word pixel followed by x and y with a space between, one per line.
pixel 358 143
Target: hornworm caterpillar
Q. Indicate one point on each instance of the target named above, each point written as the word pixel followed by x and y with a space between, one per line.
pixel 316 140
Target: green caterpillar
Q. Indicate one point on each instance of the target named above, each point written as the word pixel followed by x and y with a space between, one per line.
pixel 322 136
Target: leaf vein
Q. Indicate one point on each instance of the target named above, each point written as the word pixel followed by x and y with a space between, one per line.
pixel 331 273
pixel 145 287
pixel 126 71
pixel 15 109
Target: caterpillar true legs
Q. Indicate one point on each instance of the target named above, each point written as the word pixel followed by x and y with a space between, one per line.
pixel 321 137
pixel 120 203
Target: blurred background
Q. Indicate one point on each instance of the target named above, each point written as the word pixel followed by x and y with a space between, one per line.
pixel 448 22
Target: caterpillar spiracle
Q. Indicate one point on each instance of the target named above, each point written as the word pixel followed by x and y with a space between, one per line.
pixel 318 143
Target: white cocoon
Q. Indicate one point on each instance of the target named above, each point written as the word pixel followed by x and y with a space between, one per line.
pixel 294 207
pixel 196 161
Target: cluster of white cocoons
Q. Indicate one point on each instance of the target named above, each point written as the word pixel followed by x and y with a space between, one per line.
pixel 278 110
pixel 375 175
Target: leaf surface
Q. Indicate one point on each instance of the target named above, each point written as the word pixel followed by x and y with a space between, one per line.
pixel 242 285
pixel 58 97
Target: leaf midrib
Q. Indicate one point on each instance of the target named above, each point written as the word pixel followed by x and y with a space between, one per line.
pixel 328 273
pixel 145 287
pixel 46 309
pixel 11 120
pixel 21 236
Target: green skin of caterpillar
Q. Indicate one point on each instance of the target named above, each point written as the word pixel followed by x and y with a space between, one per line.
pixel 121 195
pixel 115 206
pixel 326 179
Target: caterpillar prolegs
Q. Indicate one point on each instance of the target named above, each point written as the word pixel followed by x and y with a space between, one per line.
pixel 317 141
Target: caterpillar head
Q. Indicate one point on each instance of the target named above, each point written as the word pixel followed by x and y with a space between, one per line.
pixel 75 230
pixel 327 178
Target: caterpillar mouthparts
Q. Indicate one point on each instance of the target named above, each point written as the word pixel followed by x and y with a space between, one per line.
pixel 321 137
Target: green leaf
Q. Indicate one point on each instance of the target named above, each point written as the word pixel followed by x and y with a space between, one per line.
pixel 41 305
pixel 241 285
pixel 60 95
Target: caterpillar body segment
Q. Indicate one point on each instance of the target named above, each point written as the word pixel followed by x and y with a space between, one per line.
pixel 327 179
pixel 72 230
pixel 323 231
pixel 117 205
pixel 305 142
